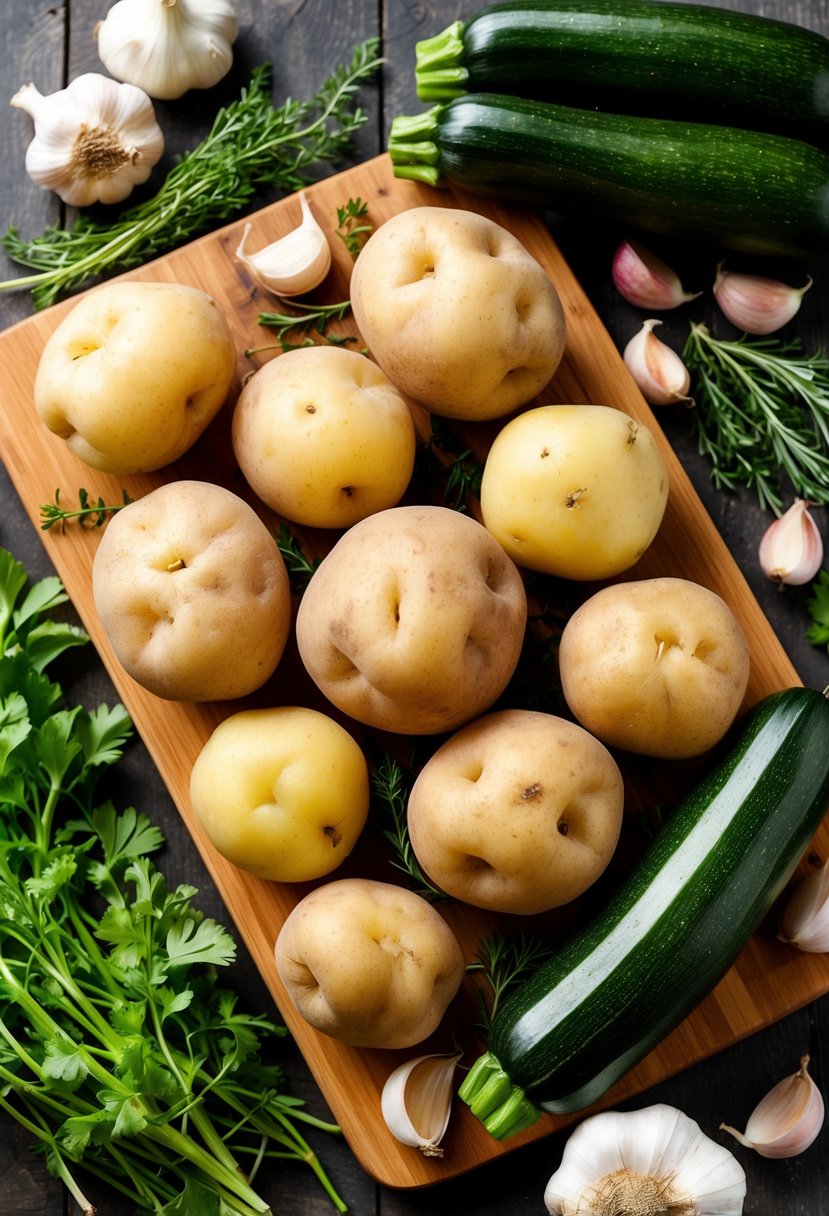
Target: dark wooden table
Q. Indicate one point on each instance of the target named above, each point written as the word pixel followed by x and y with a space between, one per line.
pixel 50 44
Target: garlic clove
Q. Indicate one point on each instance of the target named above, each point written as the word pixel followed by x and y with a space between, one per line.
pixel 791 548
pixel 805 920
pixel 650 1160
pixel 294 264
pixel 787 1120
pixel 93 141
pixel 755 304
pixel 645 280
pixel 417 1101
pixel 659 372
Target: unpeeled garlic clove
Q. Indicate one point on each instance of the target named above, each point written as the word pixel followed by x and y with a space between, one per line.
pixel 787 1120
pixel 417 1101
pixel 658 371
pixel 645 280
pixel 791 548
pixel 296 263
pixel 755 304
pixel 805 920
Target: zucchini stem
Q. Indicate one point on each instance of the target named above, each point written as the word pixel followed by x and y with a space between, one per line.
pixel 439 74
pixel 502 1107
pixel 412 147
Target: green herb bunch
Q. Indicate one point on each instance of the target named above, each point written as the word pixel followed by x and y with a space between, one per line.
pixel 119 1051
pixel 251 146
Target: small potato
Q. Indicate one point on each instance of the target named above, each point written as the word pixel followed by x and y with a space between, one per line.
pixel 659 666
pixel 414 621
pixel 192 592
pixel 577 491
pixel 134 373
pixel 518 812
pixel 369 963
pixel 323 437
pixel 282 793
pixel 459 315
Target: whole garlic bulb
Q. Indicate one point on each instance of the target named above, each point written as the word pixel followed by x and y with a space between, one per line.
pixel 168 46
pixel 94 140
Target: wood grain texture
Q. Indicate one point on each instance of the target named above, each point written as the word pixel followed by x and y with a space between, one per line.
pixel 768 980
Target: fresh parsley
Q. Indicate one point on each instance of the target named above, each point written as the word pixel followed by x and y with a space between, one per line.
pixel 89 513
pixel 817 605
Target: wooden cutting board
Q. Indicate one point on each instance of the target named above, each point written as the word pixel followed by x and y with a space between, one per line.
pixel 769 979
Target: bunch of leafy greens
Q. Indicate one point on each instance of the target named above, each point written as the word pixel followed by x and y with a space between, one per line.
pixel 118 1049
pixel 252 145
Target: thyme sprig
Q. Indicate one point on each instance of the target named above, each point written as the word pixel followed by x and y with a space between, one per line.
pixel 390 788
pixel 762 411
pixel 90 513
pixel 252 145
pixel 503 962
pixel 305 317
pixel 300 568
pixel 353 225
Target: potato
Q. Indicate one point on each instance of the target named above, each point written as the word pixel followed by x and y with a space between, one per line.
pixel 323 437
pixel 282 793
pixel 134 373
pixel 414 621
pixel 577 491
pixel 519 812
pixel 659 666
pixel 457 312
pixel 192 592
pixel 369 963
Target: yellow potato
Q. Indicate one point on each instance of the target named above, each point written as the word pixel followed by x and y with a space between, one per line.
pixel 659 666
pixel 192 592
pixel 414 621
pixel 518 812
pixel 369 963
pixel 323 437
pixel 578 491
pixel 134 373
pixel 282 793
pixel 456 311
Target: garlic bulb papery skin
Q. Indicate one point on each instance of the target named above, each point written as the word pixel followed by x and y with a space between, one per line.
pixel 94 140
pixel 645 281
pixel 417 1101
pixel 791 548
pixel 755 304
pixel 650 1162
pixel 662 377
pixel 805 919
pixel 168 46
pixel 293 265
pixel 787 1120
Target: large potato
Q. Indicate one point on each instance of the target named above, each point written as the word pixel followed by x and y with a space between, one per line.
pixel 134 373
pixel 414 621
pixel 192 592
pixel 323 437
pixel 457 312
pixel 659 666
pixel 281 792
pixel 369 963
pixel 577 491
pixel 518 812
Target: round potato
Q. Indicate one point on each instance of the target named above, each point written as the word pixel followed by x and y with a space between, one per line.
pixel 659 666
pixel 457 312
pixel 192 592
pixel 369 963
pixel 323 437
pixel 134 373
pixel 282 793
pixel 414 621
pixel 518 812
pixel 577 491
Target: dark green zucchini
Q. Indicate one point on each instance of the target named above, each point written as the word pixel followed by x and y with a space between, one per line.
pixel 672 929
pixel 692 61
pixel 744 190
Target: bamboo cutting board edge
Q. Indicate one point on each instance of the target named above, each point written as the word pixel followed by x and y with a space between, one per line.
pixel 768 981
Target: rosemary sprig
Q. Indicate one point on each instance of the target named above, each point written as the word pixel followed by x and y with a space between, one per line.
pixel 503 962
pixel 762 411
pixel 252 145
pixel 353 226
pixel 89 513
pixel 390 788
pixel 441 459
pixel 316 317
